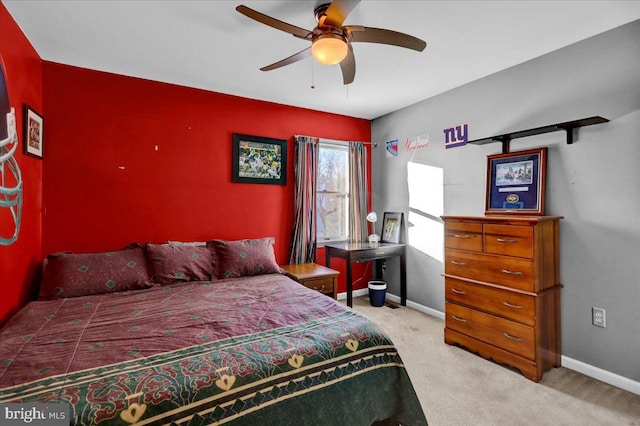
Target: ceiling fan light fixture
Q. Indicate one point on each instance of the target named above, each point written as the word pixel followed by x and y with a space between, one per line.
pixel 329 49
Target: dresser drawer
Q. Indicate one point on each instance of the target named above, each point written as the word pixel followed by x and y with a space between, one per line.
pixel 507 271
pixel 381 252
pixel 463 236
pixel 323 285
pixel 509 240
pixel 508 335
pixel 516 306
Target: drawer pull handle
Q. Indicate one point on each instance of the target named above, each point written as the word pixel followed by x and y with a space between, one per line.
pixel 458 263
pixel 458 291
pixel 459 319
pixel 461 236
pixel 511 306
pixel 502 240
pixel 318 289
pixel 506 271
pixel 517 339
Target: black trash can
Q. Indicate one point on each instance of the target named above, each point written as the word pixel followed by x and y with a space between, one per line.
pixel 377 293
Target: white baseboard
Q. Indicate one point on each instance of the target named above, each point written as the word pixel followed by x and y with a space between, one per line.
pixel 418 307
pixel 570 363
pixel 356 293
pixel 396 299
pixel 602 375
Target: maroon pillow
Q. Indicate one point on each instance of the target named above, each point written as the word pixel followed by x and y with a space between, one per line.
pixel 173 262
pixel 243 258
pixel 73 275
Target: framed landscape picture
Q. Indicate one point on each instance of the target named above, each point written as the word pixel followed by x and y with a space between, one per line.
pixel 516 182
pixel 258 159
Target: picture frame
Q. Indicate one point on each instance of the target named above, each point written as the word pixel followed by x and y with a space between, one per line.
pixel 33 142
pixel 516 182
pixel 256 159
pixel 391 227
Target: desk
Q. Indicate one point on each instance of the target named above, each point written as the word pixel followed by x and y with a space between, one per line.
pixel 362 251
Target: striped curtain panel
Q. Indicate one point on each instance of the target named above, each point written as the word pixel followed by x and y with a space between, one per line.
pixel 358 202
pixel 303 241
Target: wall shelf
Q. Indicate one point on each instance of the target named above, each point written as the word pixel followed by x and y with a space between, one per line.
pixel 567 126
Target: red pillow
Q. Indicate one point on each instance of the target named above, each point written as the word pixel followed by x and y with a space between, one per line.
pixel 243 258
pixel 173 262
pixel 72 275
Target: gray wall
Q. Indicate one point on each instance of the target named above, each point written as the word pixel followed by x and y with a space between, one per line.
pixel 594 183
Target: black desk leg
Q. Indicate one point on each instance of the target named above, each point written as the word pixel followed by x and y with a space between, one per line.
pixel 377 269
pixel 327 263
pixel 403 278
pixel 349 283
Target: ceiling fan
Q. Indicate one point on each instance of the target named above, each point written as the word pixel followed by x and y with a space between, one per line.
pixel 330 41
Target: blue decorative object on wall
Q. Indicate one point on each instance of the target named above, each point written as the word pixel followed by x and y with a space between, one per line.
pixel 456 136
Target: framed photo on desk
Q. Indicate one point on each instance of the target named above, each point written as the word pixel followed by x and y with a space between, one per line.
pixel 391 226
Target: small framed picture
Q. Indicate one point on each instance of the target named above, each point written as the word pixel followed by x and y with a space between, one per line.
pixel 391 226
pixel 259 160
pixel 33 132
pixel 516 182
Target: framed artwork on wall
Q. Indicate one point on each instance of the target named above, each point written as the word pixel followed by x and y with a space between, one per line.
pixel 391 227
pixel 516 182
pixel 33 132
pixel 259 160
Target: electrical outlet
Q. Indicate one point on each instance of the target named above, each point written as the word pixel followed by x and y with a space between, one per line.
pixel 598 317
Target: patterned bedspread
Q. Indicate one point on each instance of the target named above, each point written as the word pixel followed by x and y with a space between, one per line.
pixel 256 350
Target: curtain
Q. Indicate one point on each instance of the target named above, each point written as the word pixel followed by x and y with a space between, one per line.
pixel 303 241
pixel 358 202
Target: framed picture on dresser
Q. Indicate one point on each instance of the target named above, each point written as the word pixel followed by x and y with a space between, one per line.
pixel 516 182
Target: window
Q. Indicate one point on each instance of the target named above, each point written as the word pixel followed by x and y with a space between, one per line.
pixel 426 205
pixel 332 195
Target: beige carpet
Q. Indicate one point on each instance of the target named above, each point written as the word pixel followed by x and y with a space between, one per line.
pixel 458 388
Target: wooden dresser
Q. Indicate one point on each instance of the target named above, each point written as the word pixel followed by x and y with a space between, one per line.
pixel 502 290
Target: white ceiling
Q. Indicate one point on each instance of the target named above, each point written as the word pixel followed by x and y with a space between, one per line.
pixel 208 45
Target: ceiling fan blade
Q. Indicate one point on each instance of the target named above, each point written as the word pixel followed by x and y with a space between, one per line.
pixel 377 35
pixel 348 66
pixel 338 11
pixel 275 23
pixel 290 60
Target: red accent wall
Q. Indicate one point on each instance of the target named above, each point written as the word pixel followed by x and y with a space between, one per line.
pixel 129 160
pixel 18 262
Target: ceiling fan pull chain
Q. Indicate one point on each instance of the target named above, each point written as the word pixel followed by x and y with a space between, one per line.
pixel 313 80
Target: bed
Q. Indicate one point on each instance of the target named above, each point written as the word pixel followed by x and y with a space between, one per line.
pixel 254 349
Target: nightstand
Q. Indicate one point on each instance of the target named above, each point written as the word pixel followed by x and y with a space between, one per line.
pixel 315 277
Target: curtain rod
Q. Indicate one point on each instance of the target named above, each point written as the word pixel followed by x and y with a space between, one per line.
pixel 374 144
